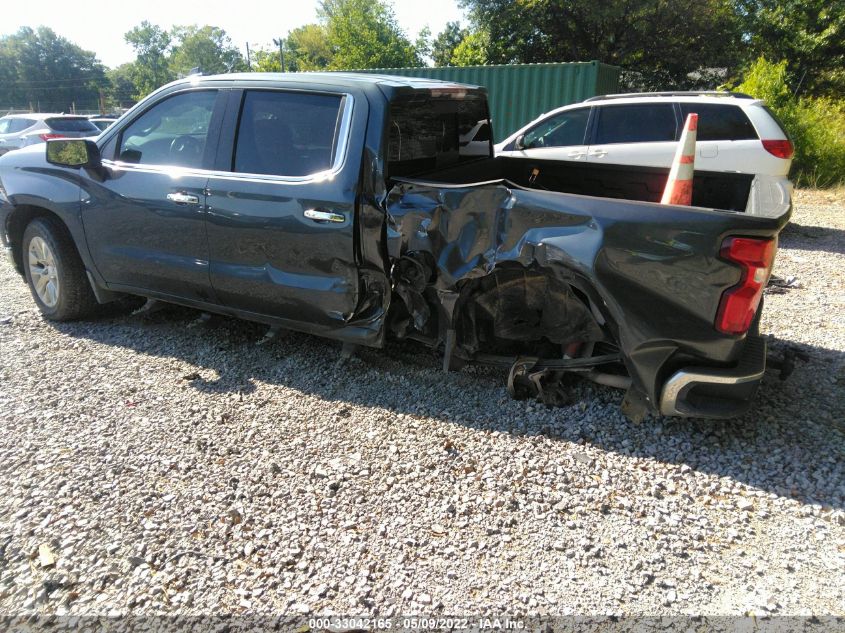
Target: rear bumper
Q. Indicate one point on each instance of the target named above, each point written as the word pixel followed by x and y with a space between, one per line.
pixel 716 392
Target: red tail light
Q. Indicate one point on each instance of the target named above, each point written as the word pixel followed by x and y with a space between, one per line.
pixel 44 137
pixel 739 304
pixel 781 149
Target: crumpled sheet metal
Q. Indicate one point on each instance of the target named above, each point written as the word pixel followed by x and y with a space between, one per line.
pixel 652 270
pixel 472 229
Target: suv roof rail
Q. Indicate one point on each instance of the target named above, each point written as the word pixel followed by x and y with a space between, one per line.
pixel 676 93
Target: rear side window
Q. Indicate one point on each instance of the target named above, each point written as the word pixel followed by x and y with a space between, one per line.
pixel 19 125
pixel 72 125
pixel 720 122
pixel 287 133
pixel 776 120
pixel 560 130
pixel 637 123
pixel 12 126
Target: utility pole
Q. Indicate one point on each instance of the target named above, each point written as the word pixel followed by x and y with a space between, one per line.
pixel 248 59
pixel 281 44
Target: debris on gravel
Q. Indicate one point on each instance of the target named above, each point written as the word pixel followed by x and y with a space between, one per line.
pixel 149 467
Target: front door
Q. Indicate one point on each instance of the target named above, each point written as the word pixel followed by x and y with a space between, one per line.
pixel 561 136
pixel 145 222
pixel 281 207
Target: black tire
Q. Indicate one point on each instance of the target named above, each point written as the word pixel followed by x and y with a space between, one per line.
pixel 74 298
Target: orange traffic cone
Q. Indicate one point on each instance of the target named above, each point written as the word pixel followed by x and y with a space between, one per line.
pixel 679 186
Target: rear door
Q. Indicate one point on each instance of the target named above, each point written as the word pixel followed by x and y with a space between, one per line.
pixel 634 134
pixel 281 223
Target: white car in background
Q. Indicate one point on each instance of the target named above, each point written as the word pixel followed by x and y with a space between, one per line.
pixel 21 130
pixel 736 133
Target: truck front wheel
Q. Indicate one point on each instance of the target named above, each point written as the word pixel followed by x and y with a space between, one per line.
pixel 55 273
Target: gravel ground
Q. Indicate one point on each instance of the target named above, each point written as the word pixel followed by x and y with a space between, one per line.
pixel 158 465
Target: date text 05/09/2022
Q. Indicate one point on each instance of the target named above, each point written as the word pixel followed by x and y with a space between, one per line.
pixel 416 623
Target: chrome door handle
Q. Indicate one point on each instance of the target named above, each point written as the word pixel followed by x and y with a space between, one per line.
pixel 576 154
pixel 323 216
pixel 599 152
pixel 183 198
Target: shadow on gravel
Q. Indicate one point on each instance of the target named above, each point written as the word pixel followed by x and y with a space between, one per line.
pixel 812 238
pixel 791 443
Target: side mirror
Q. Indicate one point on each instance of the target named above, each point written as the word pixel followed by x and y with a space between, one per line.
pixel 73 152
pixel 519 143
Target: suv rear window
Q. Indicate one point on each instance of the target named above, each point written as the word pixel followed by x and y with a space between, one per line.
pixel 428 134
pixel 71 125
pixel 720 122
pixel 636 123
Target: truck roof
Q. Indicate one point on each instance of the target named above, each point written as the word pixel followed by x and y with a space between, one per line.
pixel 336 78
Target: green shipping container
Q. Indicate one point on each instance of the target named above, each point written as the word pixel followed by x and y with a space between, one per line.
pixel 519 93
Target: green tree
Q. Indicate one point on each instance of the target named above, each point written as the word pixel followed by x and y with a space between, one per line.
pixel 665 39
pixel 208 47
pixel 472 51
pixel 816 125
pixel 365 34
pixel 446 42
pixel 306 48
pixel 122 92
pixel 808 34
pixel 309 47
pixel 422 45
pixel 45 71
pixel 266 60
pixel 151 68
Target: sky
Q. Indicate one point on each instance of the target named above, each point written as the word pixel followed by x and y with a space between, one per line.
pixel 99 26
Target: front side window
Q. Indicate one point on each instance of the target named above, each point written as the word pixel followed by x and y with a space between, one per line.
pixel 718 122
pixel 636 123
pixel 560 130
pixel 287 133
pixel 172 132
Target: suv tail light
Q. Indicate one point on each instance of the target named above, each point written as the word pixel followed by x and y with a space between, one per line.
pixel 781 149
pixel 739 303
pixel 44 137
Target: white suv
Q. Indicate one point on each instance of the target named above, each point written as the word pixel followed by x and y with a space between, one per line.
pixel 736 133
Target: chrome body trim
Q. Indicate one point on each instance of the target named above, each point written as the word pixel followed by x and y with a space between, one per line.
pixel 340 158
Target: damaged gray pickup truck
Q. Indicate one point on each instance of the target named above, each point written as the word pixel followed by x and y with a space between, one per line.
pixel 354 207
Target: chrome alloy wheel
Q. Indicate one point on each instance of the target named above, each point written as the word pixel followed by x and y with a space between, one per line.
pixel 42 271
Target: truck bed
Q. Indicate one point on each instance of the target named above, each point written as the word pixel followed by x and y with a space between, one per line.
pixel 521 264
pixel 713 190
